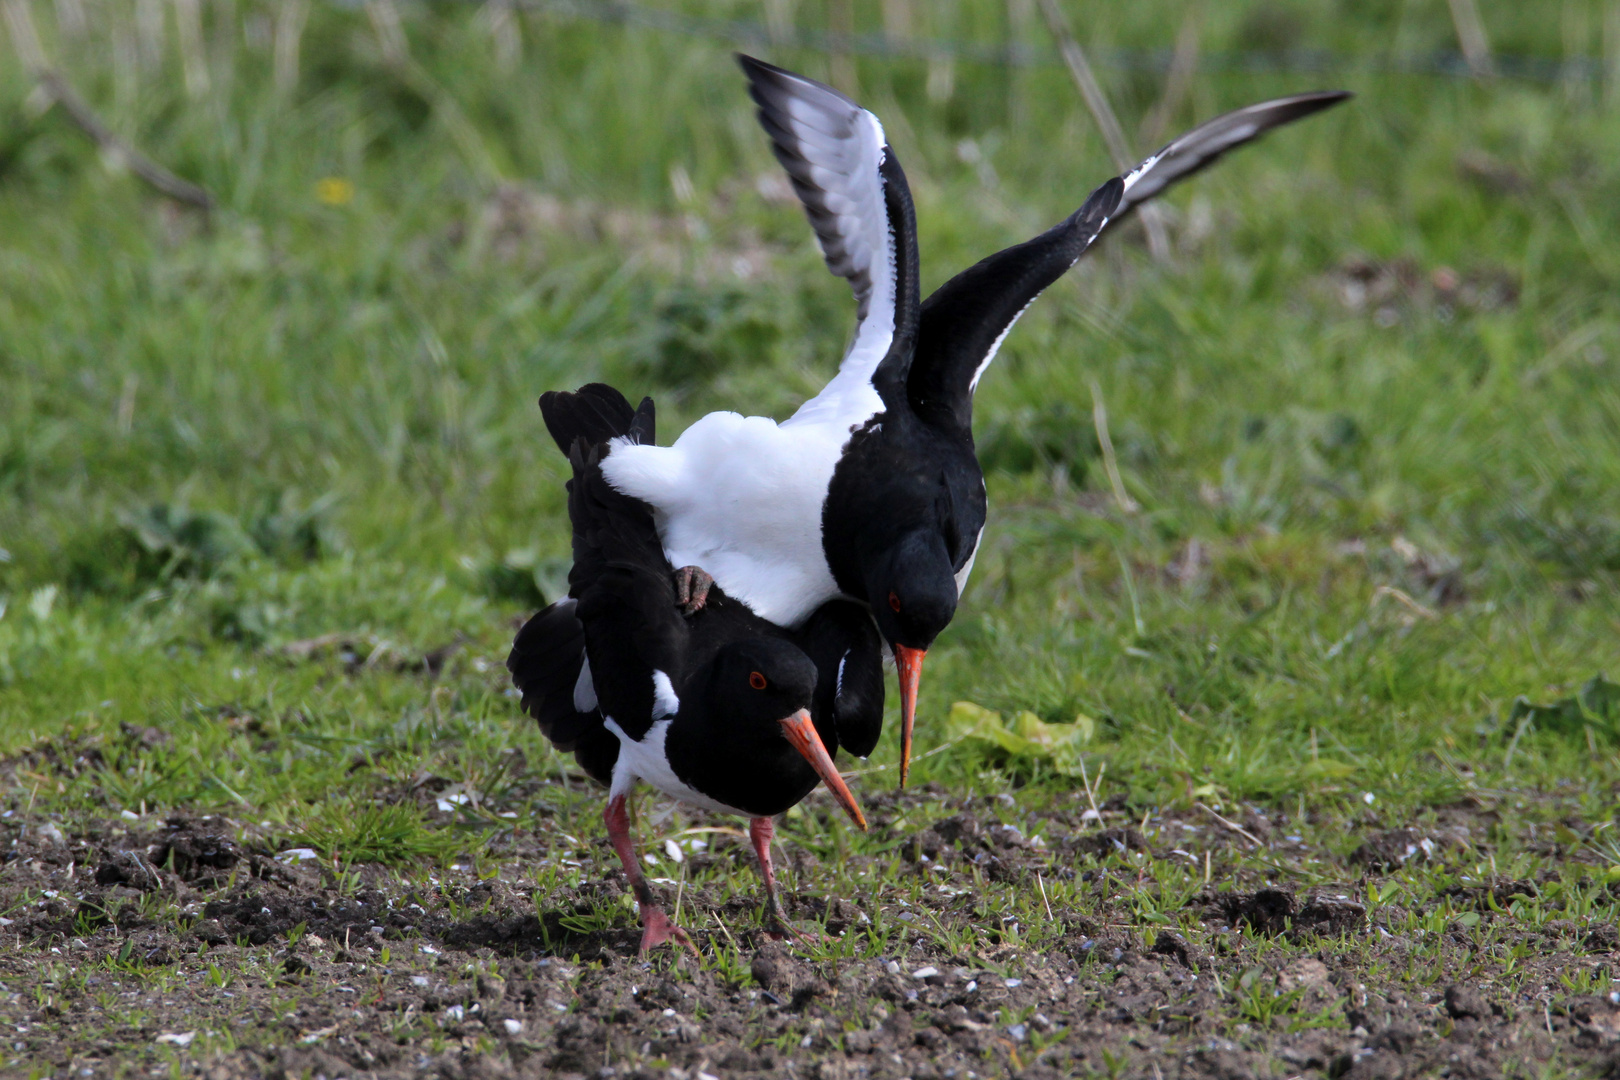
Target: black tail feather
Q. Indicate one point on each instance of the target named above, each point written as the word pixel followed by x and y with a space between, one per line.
pixel 596 413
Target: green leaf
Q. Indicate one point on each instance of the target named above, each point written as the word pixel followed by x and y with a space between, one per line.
pixel 1028 736
pixel 1596 706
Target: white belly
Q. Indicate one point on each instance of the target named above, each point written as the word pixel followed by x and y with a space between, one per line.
pixel 646 760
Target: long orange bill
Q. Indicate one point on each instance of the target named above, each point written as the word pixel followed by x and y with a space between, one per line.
pixel 802 734
pixel 909 662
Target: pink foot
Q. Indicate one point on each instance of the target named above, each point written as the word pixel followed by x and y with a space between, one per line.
pixel 692 584
pixel 657 930
pixel 781 930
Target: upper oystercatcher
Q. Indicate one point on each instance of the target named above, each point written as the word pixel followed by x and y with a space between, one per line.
pixel 719 709
pixel 871 489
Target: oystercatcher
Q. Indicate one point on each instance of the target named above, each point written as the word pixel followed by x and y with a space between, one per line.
pixel 872 490
pixel 719 709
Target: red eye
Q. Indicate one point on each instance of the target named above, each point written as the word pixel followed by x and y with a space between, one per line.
pixel 756 680
pixel 894 602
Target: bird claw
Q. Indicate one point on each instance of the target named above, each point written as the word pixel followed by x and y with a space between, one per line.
pixel 781 930
pixel 657 929
pixel 692 584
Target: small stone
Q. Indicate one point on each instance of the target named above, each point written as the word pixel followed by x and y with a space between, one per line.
pixel 1303 974
pixel 924 973
pixel 49 833
pixel 513 1027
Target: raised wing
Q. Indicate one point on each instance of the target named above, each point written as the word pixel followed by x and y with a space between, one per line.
pixel 962 325
pixel 1204 144
pixel 853 192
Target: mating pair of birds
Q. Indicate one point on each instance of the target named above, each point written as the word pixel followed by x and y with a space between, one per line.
pixel 803 547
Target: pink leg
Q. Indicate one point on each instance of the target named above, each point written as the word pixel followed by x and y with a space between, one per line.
pixel 760 831
pixel 655 925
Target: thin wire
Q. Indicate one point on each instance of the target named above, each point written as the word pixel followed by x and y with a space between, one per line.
pixel 1449 64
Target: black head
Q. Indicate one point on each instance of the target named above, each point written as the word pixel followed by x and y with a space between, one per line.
pixel 912 589
pixel 760 681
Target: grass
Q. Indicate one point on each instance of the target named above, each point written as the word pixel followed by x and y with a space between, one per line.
pixel 273 488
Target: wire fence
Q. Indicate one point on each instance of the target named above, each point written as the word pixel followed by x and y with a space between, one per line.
pixel 1448 64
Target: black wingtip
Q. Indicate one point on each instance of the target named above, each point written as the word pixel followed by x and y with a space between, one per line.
pixel 761 74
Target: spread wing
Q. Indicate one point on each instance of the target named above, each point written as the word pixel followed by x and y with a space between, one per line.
pixel 854 194
pixel 1204 144
pixel 964 322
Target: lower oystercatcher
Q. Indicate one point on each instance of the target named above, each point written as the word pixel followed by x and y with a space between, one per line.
pixel 718 709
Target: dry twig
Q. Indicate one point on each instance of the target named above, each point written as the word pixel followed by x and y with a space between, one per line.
pixel 1107 123
pixel 1234 826
pixel 1471 38
pixel 114 149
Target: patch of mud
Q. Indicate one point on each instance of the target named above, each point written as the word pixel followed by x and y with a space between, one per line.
pixel 1036 944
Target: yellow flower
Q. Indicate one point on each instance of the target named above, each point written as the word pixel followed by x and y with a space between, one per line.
pixel 334 191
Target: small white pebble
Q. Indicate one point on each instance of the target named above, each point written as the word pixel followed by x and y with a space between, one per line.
pixel 513 1027
pixel 419 980
pixel 669 1012
pixel 924 972
pixel 892 968
pixel 973 984
pixel 1014 982
pixel 456 1013
pixel 673 850
pixel 429 949
pixel 1368 797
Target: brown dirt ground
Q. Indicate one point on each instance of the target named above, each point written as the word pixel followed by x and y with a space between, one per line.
pixel 179 947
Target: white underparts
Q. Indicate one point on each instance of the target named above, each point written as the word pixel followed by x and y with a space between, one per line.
pixel 645 759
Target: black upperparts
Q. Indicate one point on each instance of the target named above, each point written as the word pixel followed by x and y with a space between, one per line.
pixel 545 663
pixel 842 641
pixel 892 371
pixel 963 322
pixel 596 413
pixel 626 594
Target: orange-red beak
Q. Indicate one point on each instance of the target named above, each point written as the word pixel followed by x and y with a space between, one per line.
pixel 802 734
pixel 909 662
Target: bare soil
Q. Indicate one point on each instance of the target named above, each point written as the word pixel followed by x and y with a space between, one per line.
pixel 181 947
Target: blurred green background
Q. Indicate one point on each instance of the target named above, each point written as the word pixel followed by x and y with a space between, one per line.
pixel 1367 407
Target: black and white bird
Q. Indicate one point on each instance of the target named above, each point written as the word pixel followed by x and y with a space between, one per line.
pixel 872 490
pixel 718 709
